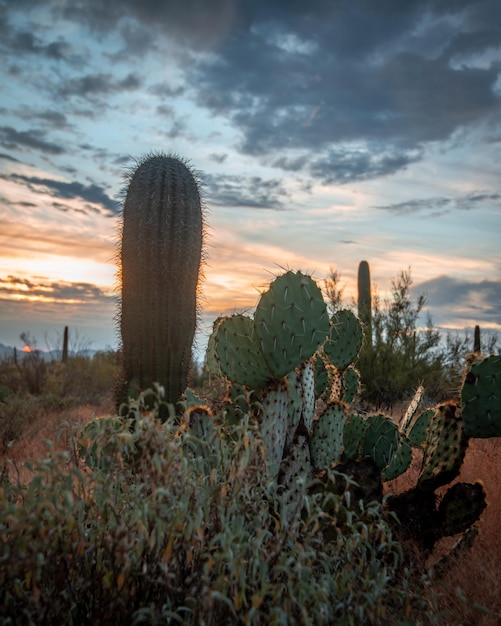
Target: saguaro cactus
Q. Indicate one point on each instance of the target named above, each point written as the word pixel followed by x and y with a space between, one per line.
pixel 476 339
pixel 160 256
pixel 365 299
pixel 64 352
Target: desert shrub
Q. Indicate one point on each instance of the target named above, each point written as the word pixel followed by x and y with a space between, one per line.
pixel 79 381
pixel 168 529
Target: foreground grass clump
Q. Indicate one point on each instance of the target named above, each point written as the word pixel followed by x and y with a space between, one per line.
pixel 170 529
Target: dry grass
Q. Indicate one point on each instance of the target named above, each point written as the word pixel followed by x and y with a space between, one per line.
pixel 55 429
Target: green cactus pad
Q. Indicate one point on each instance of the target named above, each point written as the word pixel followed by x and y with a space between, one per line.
pixel 461 507
pixel 307 378
pixel 345 339
pixel 445 447
pixel 353 436
pixel 238 352
pixel 295 405
pixel 274 420
pixel 211 359
pixel 326 444
pixel 382 439
pixel 481 398
pixel 321 376
pixel 399 462
pixel 418 432
pixel 291 321
pixel 351 384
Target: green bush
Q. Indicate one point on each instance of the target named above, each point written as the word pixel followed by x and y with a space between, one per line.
pixel 174 531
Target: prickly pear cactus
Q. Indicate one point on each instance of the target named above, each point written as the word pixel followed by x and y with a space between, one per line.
pixel 481 398
pixel 160 256
pixel 238 352
pixel 301 368
pixel 345 339
pixel 445 448
pixel 291 321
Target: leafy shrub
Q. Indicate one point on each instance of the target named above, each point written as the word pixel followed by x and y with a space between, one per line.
pixel 172 530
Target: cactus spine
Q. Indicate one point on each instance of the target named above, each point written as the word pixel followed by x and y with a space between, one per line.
pixel 365 299
pixel 160 257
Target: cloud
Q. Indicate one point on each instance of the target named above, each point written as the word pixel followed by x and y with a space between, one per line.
pixel 308 79
pixel 343 166
pixel 99 84
pixel 16 288
pixel 464 300
pixel 241 191
pixel 341 92
pixel 13 139
pixel 60 189
pixel 440 205
pixel 24 42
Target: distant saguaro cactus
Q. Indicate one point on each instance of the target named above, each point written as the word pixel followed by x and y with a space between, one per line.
pixel 64 352
pixel 365 299
pixel 476 339
pixel 160 257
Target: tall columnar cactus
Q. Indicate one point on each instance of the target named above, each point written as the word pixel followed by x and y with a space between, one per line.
pixel 365 299
pixel 160 257
pixel 476 339
pixel 64 352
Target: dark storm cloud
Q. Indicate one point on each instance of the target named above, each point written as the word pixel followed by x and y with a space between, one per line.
pixel 25 42
pixel 241 191
pixel 13 139
pixel 59 189
pixel 99 84
pixel 346 166
pixel 441 205
pixel 478 300
pixel 59 290
pixel 356 89
pixel 306 78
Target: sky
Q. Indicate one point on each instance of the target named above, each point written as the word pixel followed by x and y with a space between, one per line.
pixel 324 133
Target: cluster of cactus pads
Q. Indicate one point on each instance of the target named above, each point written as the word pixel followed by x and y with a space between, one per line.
pixel 291 368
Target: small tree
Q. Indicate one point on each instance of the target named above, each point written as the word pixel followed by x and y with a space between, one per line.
pixel 402 355
pixel 333 292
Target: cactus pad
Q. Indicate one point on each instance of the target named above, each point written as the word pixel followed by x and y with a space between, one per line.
pixel 238 352
pixel 307 380
pixel 445 447
pixel 274 425
pixel 326 443
pixel 353 436
pixel 399 462
pixel 291 321
pixel 481 398
pixel 418 432
pixel 351 384
pixel 345 339
pixel 461 507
